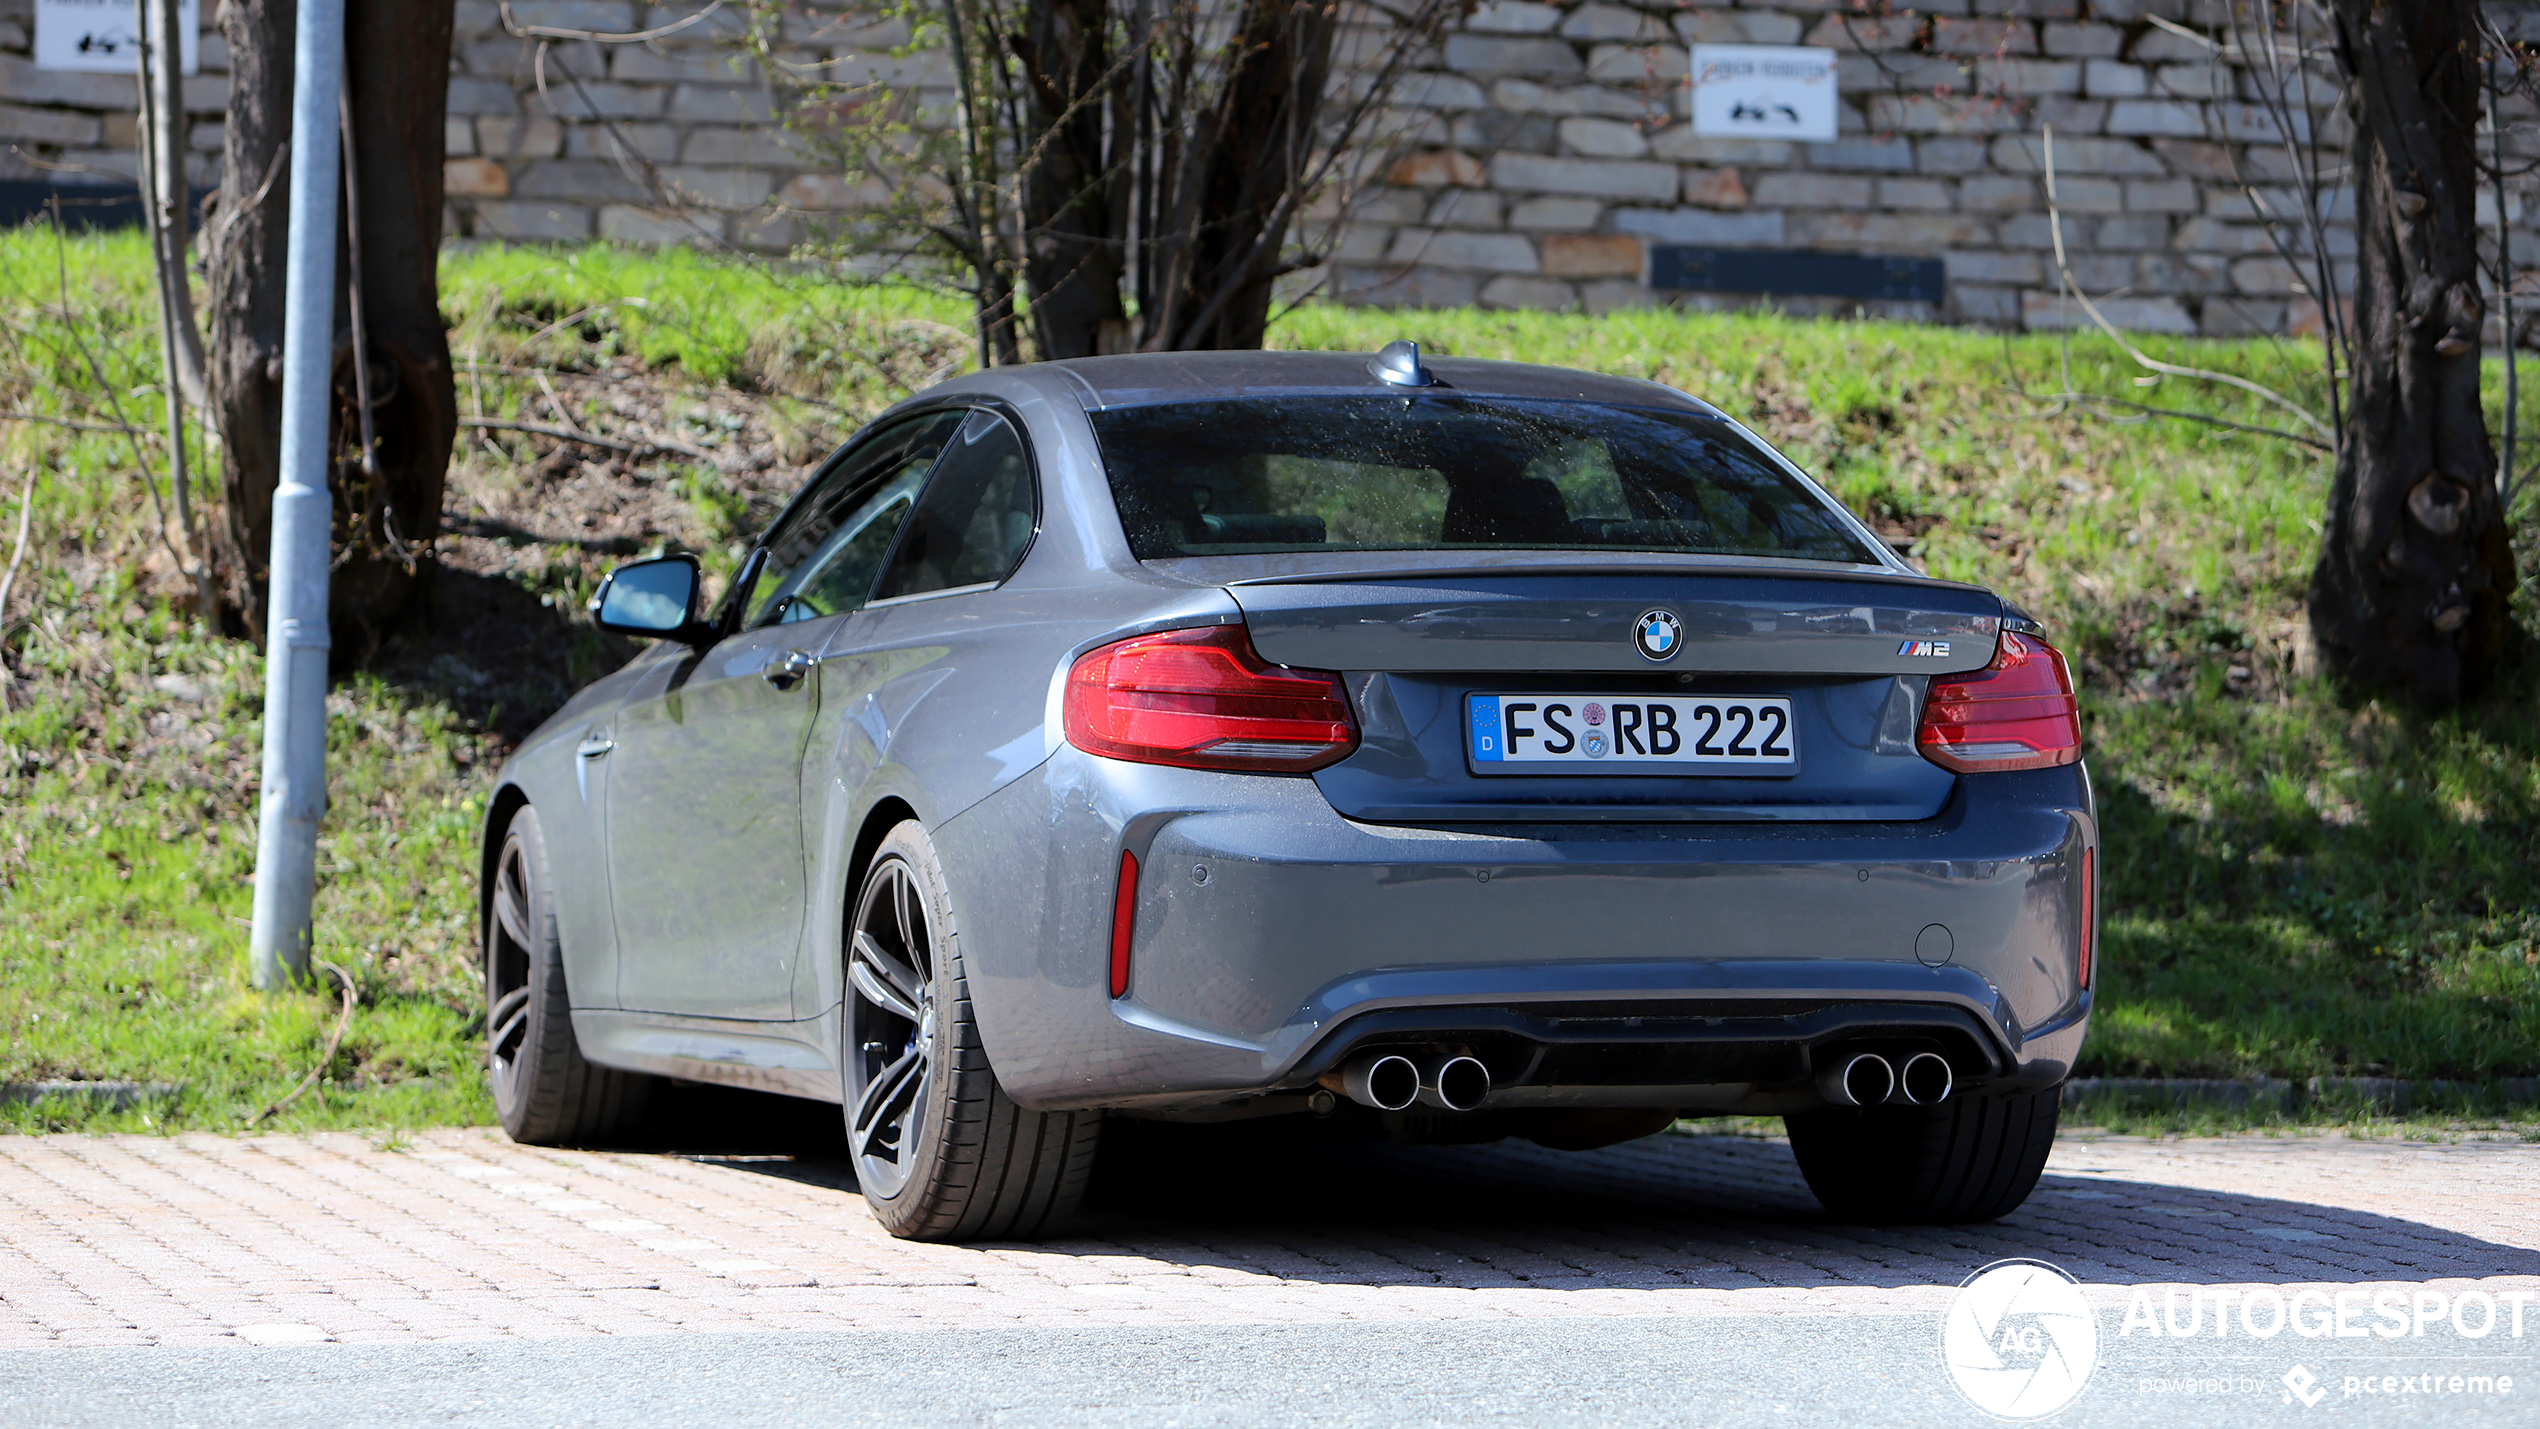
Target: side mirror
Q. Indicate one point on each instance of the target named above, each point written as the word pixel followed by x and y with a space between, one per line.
pixel 656 598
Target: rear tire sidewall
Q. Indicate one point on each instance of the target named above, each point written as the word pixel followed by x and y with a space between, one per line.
pixel 910 1204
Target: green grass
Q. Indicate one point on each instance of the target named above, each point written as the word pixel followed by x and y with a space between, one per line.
pixel 2294 886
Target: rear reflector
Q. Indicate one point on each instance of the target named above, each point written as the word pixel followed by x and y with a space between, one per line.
pixel 2016 713
pixel 1202 699
pixel 1124 922
pixel 2089 912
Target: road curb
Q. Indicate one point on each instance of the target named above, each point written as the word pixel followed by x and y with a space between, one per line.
pixel 2397 1094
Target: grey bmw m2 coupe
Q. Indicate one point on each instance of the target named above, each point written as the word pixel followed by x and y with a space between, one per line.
pixel 1441 750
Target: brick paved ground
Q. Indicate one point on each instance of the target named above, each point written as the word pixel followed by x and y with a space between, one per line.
pixel 461 1235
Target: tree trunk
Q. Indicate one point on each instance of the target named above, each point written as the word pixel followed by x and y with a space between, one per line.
pixel 1073 257
pixel 2415 567
pixel 396 68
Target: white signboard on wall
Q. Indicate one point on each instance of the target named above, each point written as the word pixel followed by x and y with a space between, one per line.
pixel 102 36
pixel 1763 92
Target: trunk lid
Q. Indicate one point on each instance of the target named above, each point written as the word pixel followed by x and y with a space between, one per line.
pixel 1851 653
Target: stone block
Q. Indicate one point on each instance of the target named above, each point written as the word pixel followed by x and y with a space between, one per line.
pixel 2254 124
pixel 1998 193
pixel 2241 317
pixel 1979 267
pixel 1437 168
pixel 1701 226
pixel 1807 190
pixel 1890 232
pixel 1925 195
pixel 1439 91
pixel 1555 215
pixel 607 17
pixel 1540 58
pixel 1614 295
pixel 1931 114
pixel 2209 235
pixel 1680 144
pixel 1603 139
pixel 458 137
pixel 584 102
pixel 1523 96
pixel 1515 17
pixel 1388 206
pixel 658 143
pixel 532 221
pixel 1611 23
pixel 2157 118
pixel 471 18
pixel 2077 194
pixel 830 193
pixel 716 104
pixel 2197 159
pixel 1714 188
pixel 23 83
pixel 1949 156
pixel 1360 243
pixel 1866 34
pixel 1638 64
pixel 762 148
pixel 716 186
pixel 2194 81
pixel 2025 154
pixel 579 179
pixel 2079 41
pixel 1407 288
pixel 1723 26
pixel 2266 277
pixel 1598 178
pixel 474 97
pixel 49 126
pixel 2028 76
pixel 1452 249
pixel 2033 231
pixel 2156 45
pixel 1592 255
pixel 657 227
pixel 2046 312
pixel 2161 196
pixel 1544 294
pixel 1983 35
pixel 1884 155
pixel 1976 303
pixel 2131 231
pixel 2028 9
pixel 475 178
pixel 638 64
pixel 207 94
pixel 207 136
pixel 514 136
pixel 765 232
pixel 1467 208
pixel 2115 79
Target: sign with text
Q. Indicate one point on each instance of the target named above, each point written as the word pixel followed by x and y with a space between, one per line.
pixel 103 36
pixel 1763 92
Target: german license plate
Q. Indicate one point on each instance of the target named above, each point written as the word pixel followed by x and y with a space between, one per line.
pixel 1631 734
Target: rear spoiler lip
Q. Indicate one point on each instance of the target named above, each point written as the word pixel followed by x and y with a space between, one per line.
pixel 1820 570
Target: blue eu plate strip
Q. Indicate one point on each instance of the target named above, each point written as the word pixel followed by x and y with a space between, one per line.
pixel 1486 741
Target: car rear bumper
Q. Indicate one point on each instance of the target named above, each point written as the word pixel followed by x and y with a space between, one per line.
pixel 1693 965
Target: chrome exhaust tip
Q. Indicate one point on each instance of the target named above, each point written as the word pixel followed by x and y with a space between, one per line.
pixel 1924 1079
pixel 1455 1083
pixel 1864 1079
pixel 1387 1082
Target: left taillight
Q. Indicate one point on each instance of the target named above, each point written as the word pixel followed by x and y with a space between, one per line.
pixel 1204 699
pixel 2016 713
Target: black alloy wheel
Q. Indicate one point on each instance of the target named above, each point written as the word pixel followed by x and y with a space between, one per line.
pixel 545 1091
pixel 890 1026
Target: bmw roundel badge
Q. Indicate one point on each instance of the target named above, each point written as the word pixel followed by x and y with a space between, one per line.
pixel 1658 633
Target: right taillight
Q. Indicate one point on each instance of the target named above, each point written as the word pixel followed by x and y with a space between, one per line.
pixel 1204 699
pixel 2016 713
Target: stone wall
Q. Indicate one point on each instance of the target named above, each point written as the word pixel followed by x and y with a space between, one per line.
pixel 1534 159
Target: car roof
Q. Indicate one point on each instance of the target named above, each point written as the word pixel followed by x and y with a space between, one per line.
pixel 1143 378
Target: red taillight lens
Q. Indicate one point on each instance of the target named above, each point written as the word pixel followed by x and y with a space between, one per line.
pixel 1201 699
pixel 2016 713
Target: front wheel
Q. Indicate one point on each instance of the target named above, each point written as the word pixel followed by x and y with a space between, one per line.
pixel 545 1091
pixel 941 1153
pixel 1964 1160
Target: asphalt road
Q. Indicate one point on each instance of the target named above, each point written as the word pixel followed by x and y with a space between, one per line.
pixel 1710 1370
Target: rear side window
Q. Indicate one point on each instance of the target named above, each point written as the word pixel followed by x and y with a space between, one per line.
pixel 814 553
pixel 1441 471
pixel 975 518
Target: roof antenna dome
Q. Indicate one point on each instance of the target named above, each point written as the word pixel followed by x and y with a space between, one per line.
pixel 1398 362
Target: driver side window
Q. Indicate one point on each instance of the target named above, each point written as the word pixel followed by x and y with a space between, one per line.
pixel 821 560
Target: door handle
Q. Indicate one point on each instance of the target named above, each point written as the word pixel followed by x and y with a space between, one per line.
pixel 797 663
pixel 595 746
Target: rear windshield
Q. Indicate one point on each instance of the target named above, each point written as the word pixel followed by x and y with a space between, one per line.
pixel 1435 471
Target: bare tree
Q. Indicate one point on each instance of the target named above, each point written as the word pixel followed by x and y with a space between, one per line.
pixel 2415 568
pixel 1115 175
pixel 395 409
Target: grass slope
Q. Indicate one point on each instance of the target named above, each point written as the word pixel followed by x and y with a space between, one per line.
pixel 2293 886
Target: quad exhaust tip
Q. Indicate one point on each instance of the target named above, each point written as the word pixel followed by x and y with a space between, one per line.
pixel 1390 1081
pixel 1863 1079
pixel 1924 1079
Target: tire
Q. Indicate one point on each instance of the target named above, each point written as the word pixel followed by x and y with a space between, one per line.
pixel 544 1091
pixel 1965 1160
pixel 941 1153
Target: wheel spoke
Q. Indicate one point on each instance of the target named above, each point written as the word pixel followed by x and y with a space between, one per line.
pixel 511 905
pixel 901 891
pixel 881 979
pixel 883 1094
pixel 509 1017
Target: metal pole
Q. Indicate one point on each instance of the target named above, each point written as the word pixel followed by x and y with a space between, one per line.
pixel 295 631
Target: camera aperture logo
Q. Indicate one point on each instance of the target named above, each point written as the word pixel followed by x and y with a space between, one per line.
pixel 2019 1340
